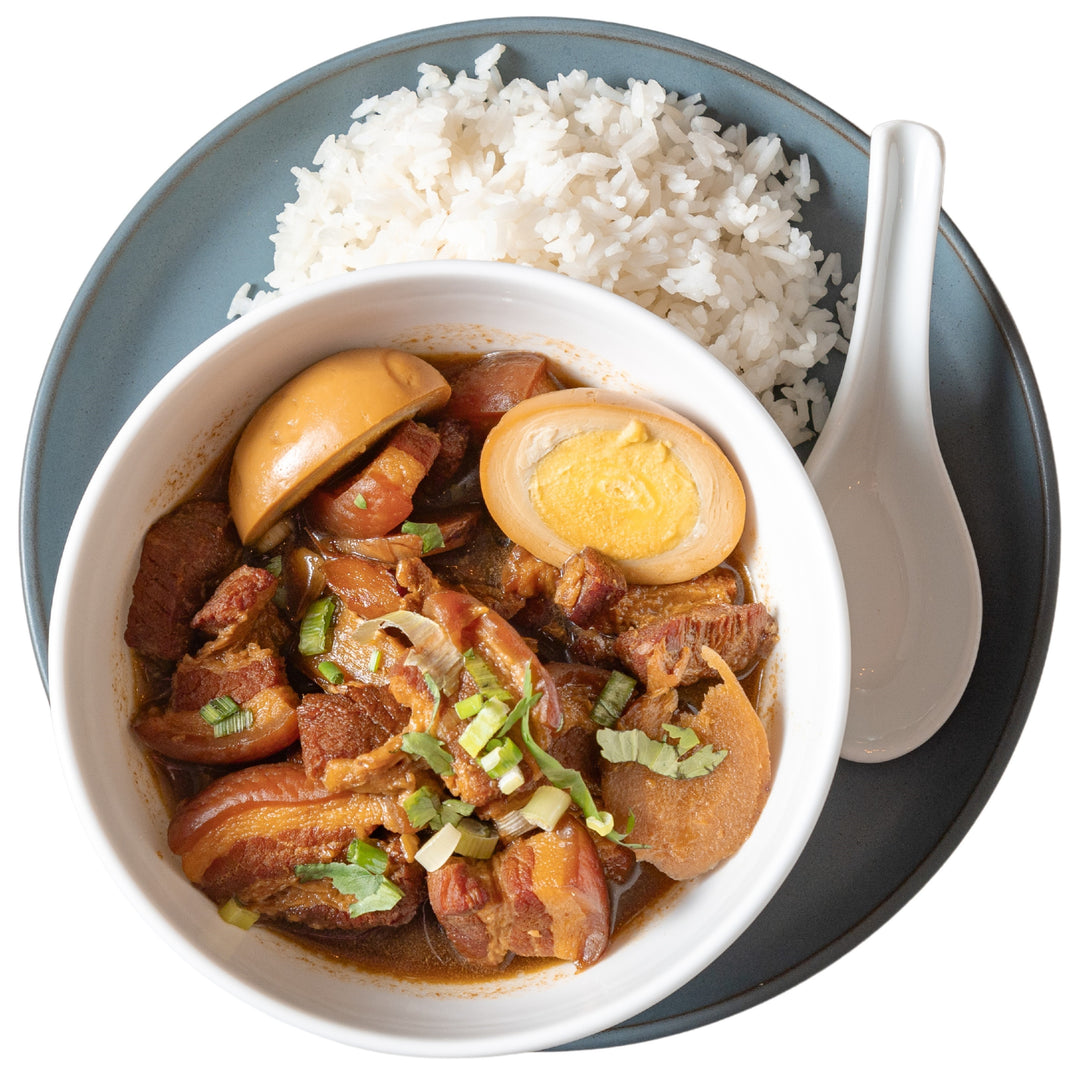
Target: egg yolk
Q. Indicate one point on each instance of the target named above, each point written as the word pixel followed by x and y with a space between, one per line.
pixel 617 490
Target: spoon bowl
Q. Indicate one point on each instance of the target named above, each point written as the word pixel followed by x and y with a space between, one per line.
pixel 912 580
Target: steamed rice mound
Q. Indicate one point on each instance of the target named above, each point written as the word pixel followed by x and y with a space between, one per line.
pixel 636 190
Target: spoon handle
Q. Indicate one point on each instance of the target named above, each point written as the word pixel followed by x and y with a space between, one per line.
pixel 890 333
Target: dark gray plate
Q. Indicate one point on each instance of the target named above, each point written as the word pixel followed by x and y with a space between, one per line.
pixel 163 284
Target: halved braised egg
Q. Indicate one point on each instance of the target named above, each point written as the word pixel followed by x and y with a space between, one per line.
pixel 588 467
pixel 320 421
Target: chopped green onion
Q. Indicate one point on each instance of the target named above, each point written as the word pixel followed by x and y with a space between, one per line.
pixel 477 839
pixel 367 855
pixel 511 781
pixel 430 535
pixel 514 824
pixel 613 699
pixel 316 625
pixel 232 912
pixel 214 711
pixel 501 756
pixel 376 661
pixel 484 677
pixel 439 848
pixel 483 727
pixel 661 757
pixel 331 672
pixel 602 823
pixel 360 501
pixel 428 748
pixel 274 566
pixel 546 807
pixel 226 716
pixel 467 707
pixel 241 719
pixel 362 875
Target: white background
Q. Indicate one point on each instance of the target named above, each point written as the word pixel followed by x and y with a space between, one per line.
pixel 978 971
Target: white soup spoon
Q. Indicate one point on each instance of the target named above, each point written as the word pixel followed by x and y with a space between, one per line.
pixel 912 581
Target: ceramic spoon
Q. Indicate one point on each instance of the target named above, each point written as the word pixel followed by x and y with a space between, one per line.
pixel 910 572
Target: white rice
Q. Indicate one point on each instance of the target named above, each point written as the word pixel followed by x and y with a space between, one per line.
pixel 633 189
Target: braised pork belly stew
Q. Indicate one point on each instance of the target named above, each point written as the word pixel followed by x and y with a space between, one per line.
pixel 393 716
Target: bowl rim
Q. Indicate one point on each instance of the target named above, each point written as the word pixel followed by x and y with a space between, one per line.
pixel 263 316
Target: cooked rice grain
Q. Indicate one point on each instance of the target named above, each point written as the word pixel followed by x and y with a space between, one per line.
pixel 636 190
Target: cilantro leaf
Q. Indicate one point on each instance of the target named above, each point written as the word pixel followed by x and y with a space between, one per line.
pixel 660 757
pixel 362 876
pixel 428 748
pixel 429 533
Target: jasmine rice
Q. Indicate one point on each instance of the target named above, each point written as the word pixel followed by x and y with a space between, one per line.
pixel 634 189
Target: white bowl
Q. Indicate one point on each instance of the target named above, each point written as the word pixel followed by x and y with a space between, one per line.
pixel 190 418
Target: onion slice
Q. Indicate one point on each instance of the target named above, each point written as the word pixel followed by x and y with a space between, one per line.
pixel 433 652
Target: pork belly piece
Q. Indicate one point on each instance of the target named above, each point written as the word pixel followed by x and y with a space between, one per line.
pixel 243 836
pixel 367 588
pixel 241 611
pixel 254 678
pixel 346 725
pixel 589 586
pixel 184 555
pixel 317 904
pixel 523 575
pixel 686 826
pixel 484 390
pixel 542 896
pixel 574 745
pixel 470 908
pixel 372 661
pixel 240 673
pixel 455 526
pixel 377 499
pixel 670 650
pixel 646 603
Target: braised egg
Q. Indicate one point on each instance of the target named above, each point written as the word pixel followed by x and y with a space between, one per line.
pixel 636 481
pixel 318 422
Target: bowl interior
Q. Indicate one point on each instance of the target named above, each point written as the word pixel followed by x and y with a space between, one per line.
pixel 188 421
